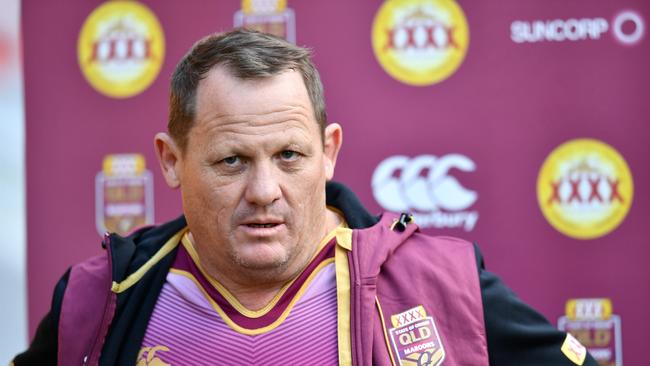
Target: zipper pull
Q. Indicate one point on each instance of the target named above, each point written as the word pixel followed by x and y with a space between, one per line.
pixel 106 240
pixel 400 224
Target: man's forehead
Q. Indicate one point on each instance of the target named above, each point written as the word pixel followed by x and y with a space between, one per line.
pixel 228 104
pixel 222 89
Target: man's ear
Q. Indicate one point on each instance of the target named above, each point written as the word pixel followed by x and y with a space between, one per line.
pixel 169 157
pixel 332 144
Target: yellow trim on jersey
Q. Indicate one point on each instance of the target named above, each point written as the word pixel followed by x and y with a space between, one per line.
pixel 383 328
pixel 344 244
pixel 134 277
pixel 237 328
pixel 187 243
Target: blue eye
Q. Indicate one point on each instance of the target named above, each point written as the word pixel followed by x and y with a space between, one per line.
pixel 231 160
pixel 289 155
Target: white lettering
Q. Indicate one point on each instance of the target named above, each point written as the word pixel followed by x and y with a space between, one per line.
pixel 419 347
pixel 601 353
pixel 557 30
pixel 441 220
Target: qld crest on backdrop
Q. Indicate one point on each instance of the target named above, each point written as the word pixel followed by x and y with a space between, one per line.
pixel 123 194
pixel 593 324
pixel 268 16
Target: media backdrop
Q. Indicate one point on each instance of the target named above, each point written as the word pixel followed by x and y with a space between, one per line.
pixel 521 125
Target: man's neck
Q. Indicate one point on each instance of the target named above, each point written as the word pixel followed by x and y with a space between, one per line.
pixel 257 296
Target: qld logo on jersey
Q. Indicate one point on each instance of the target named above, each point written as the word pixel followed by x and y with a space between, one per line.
pixel 420 42
pixel 415 338
pixel 423 186
pixel 121 48
pixel 123 194
pixel 585 188
pixel 592 325
pixel 268 16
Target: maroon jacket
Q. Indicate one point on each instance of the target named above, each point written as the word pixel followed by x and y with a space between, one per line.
pixel 411 295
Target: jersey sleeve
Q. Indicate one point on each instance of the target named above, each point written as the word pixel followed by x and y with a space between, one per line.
pixel 516 333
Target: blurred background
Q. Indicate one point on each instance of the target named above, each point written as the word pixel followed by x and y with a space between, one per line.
pixel 522 127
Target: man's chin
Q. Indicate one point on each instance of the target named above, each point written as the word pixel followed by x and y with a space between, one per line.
pixel 258 262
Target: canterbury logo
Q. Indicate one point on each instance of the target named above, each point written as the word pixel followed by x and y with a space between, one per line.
pixel 423 185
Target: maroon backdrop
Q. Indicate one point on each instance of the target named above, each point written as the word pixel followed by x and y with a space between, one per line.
pixel 506 108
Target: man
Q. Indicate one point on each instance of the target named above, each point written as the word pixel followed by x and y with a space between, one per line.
pixel 272 263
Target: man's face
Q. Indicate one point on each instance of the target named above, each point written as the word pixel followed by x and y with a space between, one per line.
pixel 253 175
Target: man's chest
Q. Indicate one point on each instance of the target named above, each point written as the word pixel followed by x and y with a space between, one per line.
pixel 193 325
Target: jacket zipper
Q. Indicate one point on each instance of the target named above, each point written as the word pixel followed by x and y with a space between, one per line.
pixel 92 356
pixel 355 307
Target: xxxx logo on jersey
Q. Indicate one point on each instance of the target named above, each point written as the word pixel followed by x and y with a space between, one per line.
pixel 121 48
pixel 420 42
pixel 585 188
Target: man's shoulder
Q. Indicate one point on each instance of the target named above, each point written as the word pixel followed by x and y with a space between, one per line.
pixel 154 234
pixel 133 251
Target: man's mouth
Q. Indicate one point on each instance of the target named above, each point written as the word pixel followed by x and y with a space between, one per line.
pixel 262 225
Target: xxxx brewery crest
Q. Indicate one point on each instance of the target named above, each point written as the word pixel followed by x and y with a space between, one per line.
pixel 123 194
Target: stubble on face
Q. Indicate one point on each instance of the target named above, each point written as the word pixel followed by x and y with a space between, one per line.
pixel 254 123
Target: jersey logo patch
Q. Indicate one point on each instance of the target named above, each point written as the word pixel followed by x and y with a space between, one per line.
pixel 147 356
pixel 415 338
pixel 573 350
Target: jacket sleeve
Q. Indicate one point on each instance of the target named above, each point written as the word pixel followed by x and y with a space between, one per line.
pixel 43 348
pixel 516 333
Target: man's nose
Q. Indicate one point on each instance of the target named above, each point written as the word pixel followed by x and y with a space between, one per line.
pixel 263 185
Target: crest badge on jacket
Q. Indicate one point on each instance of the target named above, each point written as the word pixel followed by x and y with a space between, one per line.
pixel 415 338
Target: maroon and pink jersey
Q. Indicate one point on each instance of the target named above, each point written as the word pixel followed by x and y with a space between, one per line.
pixel 196 321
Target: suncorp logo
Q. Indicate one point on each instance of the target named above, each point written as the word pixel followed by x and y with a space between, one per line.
pixel 627 28
pixel 422 185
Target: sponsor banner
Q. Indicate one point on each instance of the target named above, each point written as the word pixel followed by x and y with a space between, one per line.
pixel 626 27
pixel 585 188
pixel 420 42
pixel 422 186
pixel 268 16
pixel 123 194
pixel 592 323
pixel 121 48
pixel 415 338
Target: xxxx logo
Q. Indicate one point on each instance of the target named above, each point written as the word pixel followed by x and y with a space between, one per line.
pixel 420 42
pixel 585 188
pixel 408 316
pixel 121 48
